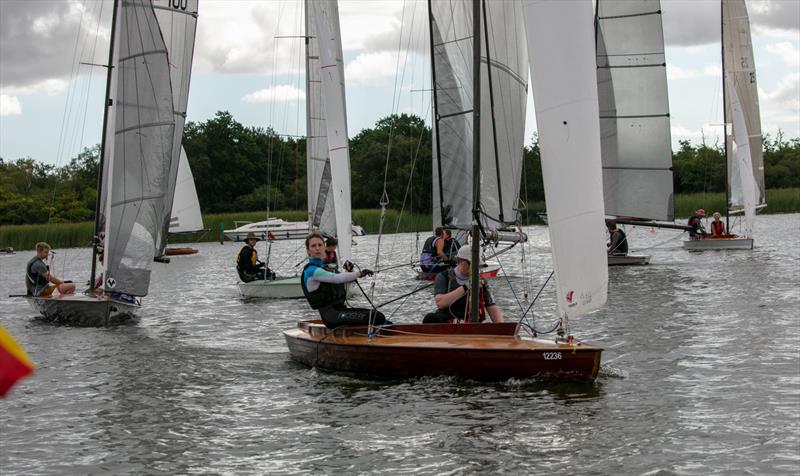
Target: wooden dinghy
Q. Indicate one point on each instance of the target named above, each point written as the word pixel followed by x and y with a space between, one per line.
pixel 93 309
pixel 724 242
pixel 628 260
pixel 483 352
pixel 180 251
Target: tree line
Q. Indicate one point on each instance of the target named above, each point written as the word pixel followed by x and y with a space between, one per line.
pixel 238 168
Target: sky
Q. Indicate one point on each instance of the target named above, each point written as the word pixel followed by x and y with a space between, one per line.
pixel 246 62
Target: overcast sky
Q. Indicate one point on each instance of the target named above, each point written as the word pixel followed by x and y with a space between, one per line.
pixel 51 107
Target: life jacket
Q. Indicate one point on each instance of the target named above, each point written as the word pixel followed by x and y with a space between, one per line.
pixel 428 250
pixel 244 262
pixel 621 248
pixel 717 228
pixel 330 257
pixel 327 294
pixel 458 309
pixel 34 280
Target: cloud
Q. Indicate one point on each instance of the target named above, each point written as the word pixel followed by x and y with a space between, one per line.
pixel 282 92
pixel 780 108
pixel 50 87
pixel 368 67
pixel 675 72
pixel 9 105
pixel 788 52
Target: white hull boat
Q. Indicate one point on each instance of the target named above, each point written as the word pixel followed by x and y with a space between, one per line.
pixel 280 288
pixel 724 243
pixel 278 229
pixel 628 260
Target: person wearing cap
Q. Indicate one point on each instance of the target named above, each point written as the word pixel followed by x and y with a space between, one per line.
pixel 618 242
pixel 696 223
pixel 717 227
pixel 247 264
pixel 451 293
pixel 38 278
pixel 326 291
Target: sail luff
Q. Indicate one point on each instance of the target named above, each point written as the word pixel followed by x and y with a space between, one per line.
pixel 563 74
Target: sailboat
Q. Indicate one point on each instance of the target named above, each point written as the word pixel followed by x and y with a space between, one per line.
pixel 561 51
pixel 186 217
pixel 634 115
pixel 136 155
pixel 326 130
pixel 745 177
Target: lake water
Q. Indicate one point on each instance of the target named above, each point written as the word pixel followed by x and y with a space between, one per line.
pixel 701 375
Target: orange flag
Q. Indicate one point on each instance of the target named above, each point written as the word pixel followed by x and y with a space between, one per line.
pixel 14 364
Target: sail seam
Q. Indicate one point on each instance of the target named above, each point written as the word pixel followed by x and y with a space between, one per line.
pixel 632 15
pixel 144 126
pixel 144 53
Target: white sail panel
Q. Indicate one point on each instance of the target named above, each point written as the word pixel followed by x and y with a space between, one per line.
pixel 634 109
pixel 333 99
pixel 178 22
pixel 139 164
pixel 739 66
pixel 186 215
pixel 562 56
pixel 741 153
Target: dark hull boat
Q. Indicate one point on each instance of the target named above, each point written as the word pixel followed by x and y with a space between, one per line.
pixel 83 309
pixel 483 352
pixel 628 260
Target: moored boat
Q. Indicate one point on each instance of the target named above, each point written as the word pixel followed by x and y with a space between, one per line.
pixel 175 251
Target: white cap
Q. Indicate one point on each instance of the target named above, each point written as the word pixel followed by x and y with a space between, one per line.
pixel 465 252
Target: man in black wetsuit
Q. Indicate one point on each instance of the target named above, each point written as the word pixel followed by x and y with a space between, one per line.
pixel 247 264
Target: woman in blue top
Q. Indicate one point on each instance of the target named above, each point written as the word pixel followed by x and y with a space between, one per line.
pixel 326 291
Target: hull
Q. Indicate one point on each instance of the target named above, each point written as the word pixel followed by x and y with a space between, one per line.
pixel 83 310
pixel 628 260
pixel 721 243
pixel 180 251
pixel 483 352
pixel 281 288
pixel 276 229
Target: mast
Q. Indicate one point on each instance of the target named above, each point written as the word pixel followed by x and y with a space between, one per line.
pixel 724 115
pixel 436 116
pixel 491 106
pixel 100 166
pixel 474 315
pixel 311 212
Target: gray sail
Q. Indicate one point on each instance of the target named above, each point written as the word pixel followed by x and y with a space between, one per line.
pixel 178 22
pixel 634 110
pixel 141 150
pixel 739 69
pixel 504 65
pixel 318 170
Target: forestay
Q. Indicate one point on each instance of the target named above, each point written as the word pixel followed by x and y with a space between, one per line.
pixel 139 153
pixel 634 110
pixel 325 15
pixel 178 22
pixel 561 51
pixel 739 68
pixel 504 67
pixel 186 215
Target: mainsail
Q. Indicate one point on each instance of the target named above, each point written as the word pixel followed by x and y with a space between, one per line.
pixel 186 215
pixel 739 69
pixel 561 51
pixel 178 22
pixel 504 73
pixel 634 110
pixel 140 138
pixel 324 14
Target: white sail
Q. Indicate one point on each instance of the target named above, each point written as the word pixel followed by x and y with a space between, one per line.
pixel 326 20
pixel 139 153
pixel 178 22
pixel 741 153
pixel 739 68
pixel 504 65
pixel 634 110
pixel 562 56
pixel 186 215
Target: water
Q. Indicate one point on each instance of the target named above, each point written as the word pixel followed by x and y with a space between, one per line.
pixel 701 375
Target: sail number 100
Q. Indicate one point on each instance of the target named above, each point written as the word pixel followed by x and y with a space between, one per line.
pixel 552 355
pixel 179 4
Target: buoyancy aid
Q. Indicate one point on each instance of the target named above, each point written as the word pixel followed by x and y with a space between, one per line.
pixel 34 280
pixel 717 228
pixel 247 259
pixel 428 251
pixel 458 309
pixel 327 294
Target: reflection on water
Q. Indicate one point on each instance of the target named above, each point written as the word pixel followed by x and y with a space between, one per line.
pixel 701 374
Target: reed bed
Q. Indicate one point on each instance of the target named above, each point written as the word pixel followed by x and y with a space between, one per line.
pixel 72 235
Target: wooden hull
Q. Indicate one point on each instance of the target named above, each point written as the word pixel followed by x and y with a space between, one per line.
pixel 281 288
pixel 628 260
pixel 180 251
pixel 83 310
pixel 730 242
pixel 483 352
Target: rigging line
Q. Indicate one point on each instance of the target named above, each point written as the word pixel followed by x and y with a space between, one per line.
pixel 405 297
pixel 508 280
pixel 524 315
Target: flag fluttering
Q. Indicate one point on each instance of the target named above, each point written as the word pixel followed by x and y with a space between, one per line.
pixel 14 363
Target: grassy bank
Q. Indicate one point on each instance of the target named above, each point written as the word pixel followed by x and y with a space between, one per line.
pixel 69 235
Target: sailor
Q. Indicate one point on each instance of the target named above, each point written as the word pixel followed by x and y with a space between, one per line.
pixel 618 242
pixel 330 252
pixel 446 248
pixel 326 291
pixel 696 223
pixel 38 278
pixel 427 260
pixel 247 264
pixel 717 227
pixel 451 293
